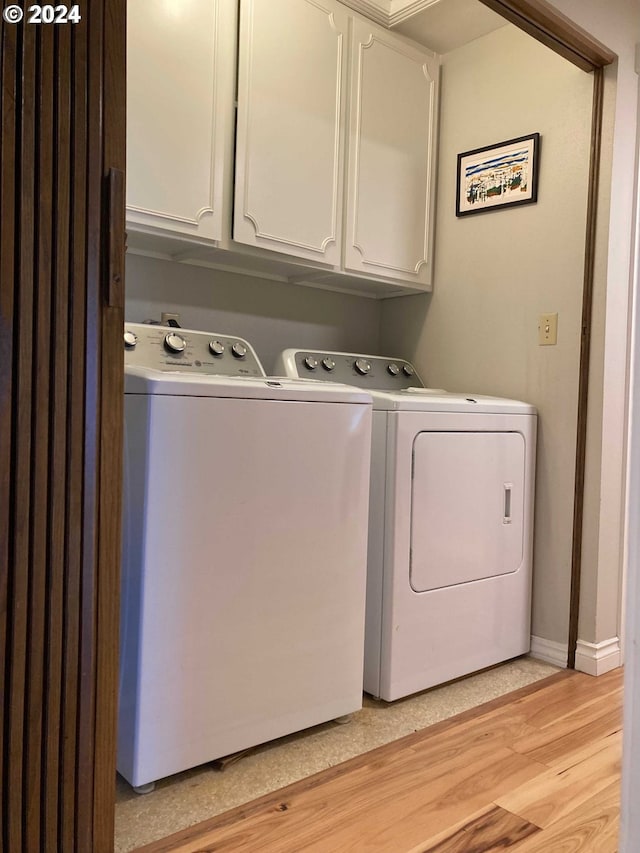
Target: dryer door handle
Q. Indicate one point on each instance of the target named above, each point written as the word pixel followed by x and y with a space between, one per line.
pixel 508 488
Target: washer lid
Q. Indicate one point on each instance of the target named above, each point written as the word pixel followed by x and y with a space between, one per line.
pixel 145 380
pixel 435 400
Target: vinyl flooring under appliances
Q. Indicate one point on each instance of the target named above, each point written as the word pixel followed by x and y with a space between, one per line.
pixel 190 797
pixel 534 772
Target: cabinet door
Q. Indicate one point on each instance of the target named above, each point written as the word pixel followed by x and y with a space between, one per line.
pixel 391 157
pixel 180 89
pixel 289 146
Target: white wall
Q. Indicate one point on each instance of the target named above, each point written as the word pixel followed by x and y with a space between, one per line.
pixel 630 819
pixel 271 315
pixel 617 24
pixel 495 272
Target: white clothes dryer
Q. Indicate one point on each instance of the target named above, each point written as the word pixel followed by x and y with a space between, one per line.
pixel 244 551
pixel 450 524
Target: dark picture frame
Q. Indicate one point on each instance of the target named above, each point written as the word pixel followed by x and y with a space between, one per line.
pixel 497 176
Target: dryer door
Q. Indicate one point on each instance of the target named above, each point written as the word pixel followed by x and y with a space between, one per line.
pixel 467 507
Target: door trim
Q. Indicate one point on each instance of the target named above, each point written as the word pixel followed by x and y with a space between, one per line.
pixel 549 26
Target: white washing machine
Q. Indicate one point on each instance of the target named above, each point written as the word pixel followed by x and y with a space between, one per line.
pixel 244 551
pixel 450 524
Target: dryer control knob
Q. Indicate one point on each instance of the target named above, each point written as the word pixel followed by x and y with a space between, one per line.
pixel 175 343
pixel 239 350
pixel 216 348
pixel 310 362
pixel 130 339
pixel 393 368
pixel 362 366
pixel 328 363
pixel 408 370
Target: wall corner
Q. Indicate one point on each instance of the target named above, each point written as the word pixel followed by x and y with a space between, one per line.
pixel 598 658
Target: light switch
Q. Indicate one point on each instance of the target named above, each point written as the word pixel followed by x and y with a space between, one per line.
pixel 547 330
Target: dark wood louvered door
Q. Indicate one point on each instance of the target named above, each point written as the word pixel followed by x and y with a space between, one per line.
pixel 62 153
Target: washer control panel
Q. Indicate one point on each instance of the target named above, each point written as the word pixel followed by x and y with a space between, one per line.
pixel 365 371
pixel 189 351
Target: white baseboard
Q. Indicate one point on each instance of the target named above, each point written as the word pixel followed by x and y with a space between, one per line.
pixel 598 658
pixel 548 651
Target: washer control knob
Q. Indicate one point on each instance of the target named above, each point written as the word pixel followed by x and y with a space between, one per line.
pixel 216 348
pixel 310 362
pixel 175 343
pixel 362 366
pixel 239 350
pixel 408 370
pixel 130 339
pixel 393 368
pixel 328 363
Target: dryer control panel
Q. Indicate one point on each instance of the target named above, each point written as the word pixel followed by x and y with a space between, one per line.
pixel 365 371
pixel 187 351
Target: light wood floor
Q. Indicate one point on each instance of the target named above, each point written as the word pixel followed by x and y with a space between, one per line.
pixel 536 771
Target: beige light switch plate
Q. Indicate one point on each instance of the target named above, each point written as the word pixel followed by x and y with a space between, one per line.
pixel 547 330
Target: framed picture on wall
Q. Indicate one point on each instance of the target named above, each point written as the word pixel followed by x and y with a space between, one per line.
pixel 498 176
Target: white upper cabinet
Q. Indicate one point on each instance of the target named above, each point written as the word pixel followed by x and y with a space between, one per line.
pixel 290 141
pixel 321 172
pixel 180 89
pixel 389 219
